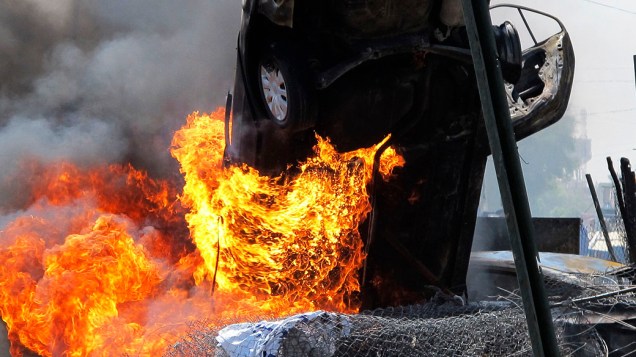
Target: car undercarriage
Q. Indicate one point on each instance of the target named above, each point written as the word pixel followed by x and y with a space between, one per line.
pixel 357 71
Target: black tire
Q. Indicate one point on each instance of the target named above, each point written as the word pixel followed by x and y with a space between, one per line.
pixel 509 51
pixel 285 86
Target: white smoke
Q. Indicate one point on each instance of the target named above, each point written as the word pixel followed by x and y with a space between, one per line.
pixel 97 82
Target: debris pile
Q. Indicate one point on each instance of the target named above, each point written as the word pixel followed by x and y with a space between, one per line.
pixel 590 311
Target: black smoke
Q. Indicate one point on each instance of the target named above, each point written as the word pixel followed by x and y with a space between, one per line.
pixel 96 82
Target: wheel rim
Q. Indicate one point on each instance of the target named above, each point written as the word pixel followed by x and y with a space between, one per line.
pixel 274 91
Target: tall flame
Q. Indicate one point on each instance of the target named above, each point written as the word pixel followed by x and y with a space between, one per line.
pixel 101 262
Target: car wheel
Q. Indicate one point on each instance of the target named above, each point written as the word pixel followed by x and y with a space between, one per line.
pixel 285 86
pixel 509 51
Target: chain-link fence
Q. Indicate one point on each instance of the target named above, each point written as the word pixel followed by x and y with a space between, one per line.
pixel 592 315
pixel 593 242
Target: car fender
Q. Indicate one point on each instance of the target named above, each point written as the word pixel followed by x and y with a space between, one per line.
pixel 280 12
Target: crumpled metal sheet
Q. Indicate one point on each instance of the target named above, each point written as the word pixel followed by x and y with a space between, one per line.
pixel 272 338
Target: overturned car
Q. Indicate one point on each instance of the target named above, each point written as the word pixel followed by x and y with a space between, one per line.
pixel 358 70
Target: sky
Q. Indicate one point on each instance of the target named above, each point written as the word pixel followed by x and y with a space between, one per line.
pixel 602 33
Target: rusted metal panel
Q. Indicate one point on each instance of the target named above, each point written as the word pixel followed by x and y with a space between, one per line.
pixel 566 263
pixel 557 235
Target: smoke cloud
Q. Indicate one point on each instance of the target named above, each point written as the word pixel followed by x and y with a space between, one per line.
pixel 95 82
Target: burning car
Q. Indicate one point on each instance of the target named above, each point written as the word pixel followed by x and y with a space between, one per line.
pixel 355 72
pixel 109 260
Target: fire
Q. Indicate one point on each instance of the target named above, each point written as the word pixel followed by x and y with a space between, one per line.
pixel 82 265
pixel 108 261
pixel 286 244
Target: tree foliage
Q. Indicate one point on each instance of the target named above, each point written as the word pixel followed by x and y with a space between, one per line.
pixel 551 161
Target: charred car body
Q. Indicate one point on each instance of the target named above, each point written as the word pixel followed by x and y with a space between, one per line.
pixel 357 70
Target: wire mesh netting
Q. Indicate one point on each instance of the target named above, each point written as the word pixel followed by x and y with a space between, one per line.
pixel 593 242
pixel 591 312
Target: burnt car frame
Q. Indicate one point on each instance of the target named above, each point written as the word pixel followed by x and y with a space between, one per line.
pixel 358 70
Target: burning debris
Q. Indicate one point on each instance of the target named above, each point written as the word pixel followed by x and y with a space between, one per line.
pixel 290 244
pixel 101 261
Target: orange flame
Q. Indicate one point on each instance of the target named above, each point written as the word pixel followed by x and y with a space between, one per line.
pixel 81 266
pixel 101 262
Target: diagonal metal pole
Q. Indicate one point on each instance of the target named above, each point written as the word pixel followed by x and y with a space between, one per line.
pixel 503 147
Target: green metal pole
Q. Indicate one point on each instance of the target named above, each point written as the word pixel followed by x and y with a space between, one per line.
pixel 503 147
